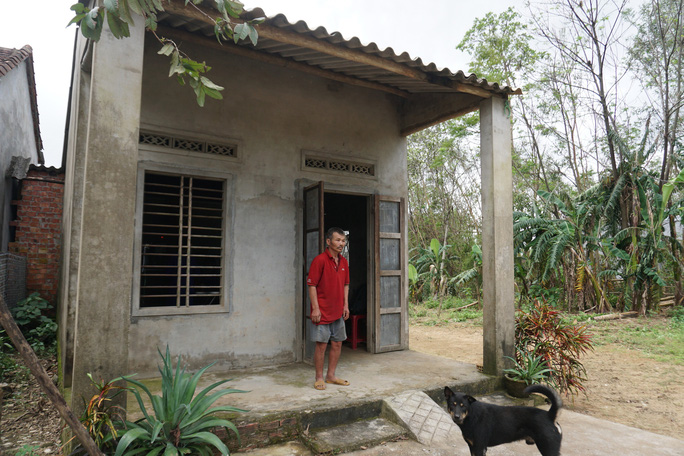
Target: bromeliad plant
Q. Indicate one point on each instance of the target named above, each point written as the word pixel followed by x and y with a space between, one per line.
pixel 540 332
pixel 178 423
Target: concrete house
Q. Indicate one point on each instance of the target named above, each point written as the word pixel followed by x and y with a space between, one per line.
pixel 20 143
pixel 20 147
pixel 194 227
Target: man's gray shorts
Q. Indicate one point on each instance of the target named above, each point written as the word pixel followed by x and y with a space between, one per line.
pixel 334 331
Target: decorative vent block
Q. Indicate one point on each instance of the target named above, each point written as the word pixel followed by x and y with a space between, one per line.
pixel 190 145
pixel 340 166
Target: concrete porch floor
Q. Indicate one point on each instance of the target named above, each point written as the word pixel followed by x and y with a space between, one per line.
pixel 289 388
pixel 281 400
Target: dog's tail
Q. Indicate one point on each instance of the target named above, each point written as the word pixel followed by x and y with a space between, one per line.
pixel 556 402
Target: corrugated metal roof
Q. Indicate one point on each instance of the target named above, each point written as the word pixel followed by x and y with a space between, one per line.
pixel 331 52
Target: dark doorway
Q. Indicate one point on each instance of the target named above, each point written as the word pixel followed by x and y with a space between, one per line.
pixel 350 212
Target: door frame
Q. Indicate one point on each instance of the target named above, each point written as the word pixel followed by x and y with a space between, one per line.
pixel 373 310
pixel 318 225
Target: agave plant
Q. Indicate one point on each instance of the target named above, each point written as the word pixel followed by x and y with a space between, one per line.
pixel 530 369
pixel 180 422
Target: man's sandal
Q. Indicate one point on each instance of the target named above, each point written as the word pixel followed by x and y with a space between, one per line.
pixel 319 385
pixel 338 381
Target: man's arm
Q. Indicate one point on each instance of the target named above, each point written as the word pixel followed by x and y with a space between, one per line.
pixel 315 311
pixel 345 312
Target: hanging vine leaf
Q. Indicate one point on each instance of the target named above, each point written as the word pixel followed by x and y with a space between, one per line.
pixel 119 16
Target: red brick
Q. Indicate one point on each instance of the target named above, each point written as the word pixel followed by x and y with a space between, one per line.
pixel 270 425
pixel 288 422
pixel 248 429
pixel 38 231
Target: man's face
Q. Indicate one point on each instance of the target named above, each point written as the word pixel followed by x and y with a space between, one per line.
pixel 337 242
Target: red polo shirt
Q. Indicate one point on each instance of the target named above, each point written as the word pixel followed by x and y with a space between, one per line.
pixel 329 279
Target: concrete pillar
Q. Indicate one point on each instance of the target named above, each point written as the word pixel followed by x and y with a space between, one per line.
pixel 497 234
pixel 73 163
pixel 105 252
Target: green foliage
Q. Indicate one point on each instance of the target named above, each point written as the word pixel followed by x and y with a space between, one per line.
pixel 119 16
pixel 39 330
pixel 677 320
pixel 427 313
pixel 100 416
pixel 500 47
pixel 443 197
pixel 474 274
pixel 28 450
pixel 180 422
pixel 542 332
pixel 431 266
pixel 528 367
pixel 464 315
pixel 658 338
pixel 12 371
pixel 549 294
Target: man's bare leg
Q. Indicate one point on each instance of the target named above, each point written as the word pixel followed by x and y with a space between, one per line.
pixel 333 358
pixel 319 359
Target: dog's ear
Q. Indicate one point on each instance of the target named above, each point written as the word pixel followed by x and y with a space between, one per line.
pixel 447 392
pixel 470 399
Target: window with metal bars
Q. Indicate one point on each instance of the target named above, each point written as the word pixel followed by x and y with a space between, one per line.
pixel 182 241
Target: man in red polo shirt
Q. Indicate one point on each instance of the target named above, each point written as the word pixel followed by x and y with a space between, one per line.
pixel 328 283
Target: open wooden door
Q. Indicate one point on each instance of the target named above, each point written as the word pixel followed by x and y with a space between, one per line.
pixel 391 313
pixel 313 245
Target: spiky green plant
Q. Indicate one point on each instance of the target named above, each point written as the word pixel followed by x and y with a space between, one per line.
pixel 529 367
pixel 180 422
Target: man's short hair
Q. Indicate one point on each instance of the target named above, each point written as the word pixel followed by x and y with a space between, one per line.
pixel 333 230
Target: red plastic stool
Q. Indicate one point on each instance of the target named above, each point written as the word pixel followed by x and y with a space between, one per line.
pixel 355 337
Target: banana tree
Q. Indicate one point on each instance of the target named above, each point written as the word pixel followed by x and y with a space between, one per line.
pixel 474 273
pixel 649 244
pixel 431 267
pixel 568 242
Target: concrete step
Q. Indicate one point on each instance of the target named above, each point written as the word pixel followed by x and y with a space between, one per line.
pixel 427 421
pixel 354 436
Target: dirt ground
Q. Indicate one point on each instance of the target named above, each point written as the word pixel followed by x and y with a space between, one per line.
pixel 623 386
pixel 28 417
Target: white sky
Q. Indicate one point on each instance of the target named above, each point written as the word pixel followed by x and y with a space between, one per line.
pixel 429 29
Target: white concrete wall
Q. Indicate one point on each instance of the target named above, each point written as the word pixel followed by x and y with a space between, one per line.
pixel 17 137
pixel 273 114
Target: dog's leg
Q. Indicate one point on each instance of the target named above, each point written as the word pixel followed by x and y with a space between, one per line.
pixel 478 451
pixel 549 447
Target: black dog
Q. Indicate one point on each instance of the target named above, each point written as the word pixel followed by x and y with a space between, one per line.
pixel 485 425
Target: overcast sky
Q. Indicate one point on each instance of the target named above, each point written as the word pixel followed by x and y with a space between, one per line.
pixel 429 29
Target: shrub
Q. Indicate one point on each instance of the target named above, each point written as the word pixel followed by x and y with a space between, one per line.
pixel 39 330
pixel 559 343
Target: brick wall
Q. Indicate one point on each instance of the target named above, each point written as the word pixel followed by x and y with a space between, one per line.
pixel 37 225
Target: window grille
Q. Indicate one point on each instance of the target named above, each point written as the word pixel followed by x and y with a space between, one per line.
pixel 191 145
pixel 182 241
pixel 341 166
